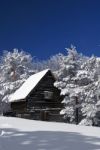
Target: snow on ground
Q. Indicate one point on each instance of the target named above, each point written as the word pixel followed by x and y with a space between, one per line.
pixel 22 134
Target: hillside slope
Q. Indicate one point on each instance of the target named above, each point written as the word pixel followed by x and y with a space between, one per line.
pixel 22 134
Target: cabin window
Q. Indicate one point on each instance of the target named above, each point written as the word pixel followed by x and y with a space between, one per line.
pixel 48 94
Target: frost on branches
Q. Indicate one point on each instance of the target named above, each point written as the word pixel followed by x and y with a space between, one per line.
pixel 54 63
pixel 67 83
pixel 15 67
pixel 92 96
pixel 79 82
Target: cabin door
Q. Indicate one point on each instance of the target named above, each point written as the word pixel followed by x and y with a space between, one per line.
pixel 44 115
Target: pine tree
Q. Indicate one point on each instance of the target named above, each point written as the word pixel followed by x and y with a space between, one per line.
pixel 67 83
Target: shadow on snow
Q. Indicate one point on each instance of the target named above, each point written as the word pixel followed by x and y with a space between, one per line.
pixel 46 140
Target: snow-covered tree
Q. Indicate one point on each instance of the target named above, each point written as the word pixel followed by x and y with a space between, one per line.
pixel 53 63
pixel 89 105
pixel 79 81
pixel 15 68
pixel 67 83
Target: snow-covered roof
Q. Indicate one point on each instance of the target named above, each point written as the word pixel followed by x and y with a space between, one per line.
pixel 27 86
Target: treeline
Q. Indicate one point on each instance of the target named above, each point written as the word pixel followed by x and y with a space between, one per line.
pixel 78 77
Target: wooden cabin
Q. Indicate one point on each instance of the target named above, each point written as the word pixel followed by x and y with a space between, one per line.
pixel 37 98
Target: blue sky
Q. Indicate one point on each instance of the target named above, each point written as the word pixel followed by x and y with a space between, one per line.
pixel 45 27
